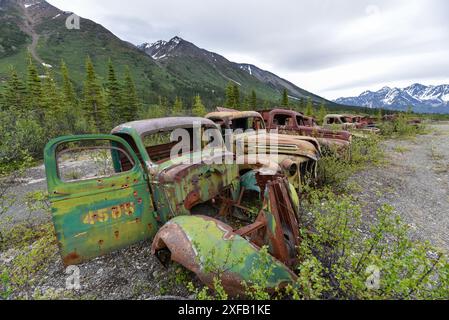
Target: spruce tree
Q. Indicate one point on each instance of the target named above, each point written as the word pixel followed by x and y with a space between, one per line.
pixel 253 101
pixel 198 109
pixel 51 99
pixel 233 98
pixel 236 96
pixel 309 108
pixel 230 95
pixel 94 105
pixel 15 94
pixel 178 107
pixel 130 101
pixel 285 102
pixel 322 113
pixel 76 121
pixel 245 105
pixel 113 95
pixel 34 86
pixel 302 105
pixel 68 91
pixel 379 115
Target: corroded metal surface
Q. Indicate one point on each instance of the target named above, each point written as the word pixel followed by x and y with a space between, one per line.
pixel 151 126
pixel 97 216
pixel 235 253
pixel 298 124
pixel 300 149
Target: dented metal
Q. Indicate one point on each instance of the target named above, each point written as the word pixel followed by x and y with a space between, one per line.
pixel 148 199
pixel 294 123
pixel 303 150
pixel 193 240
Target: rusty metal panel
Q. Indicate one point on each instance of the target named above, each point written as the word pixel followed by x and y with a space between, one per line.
pixel 94 217
pixel 194 240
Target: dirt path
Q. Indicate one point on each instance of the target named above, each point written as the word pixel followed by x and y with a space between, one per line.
pixel 415 182
pixel 28 28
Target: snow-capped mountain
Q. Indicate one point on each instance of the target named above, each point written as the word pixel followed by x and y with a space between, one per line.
pixel 431 99
pixel 186 60
pixel 160 49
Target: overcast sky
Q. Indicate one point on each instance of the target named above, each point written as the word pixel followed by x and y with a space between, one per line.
pixel 330 47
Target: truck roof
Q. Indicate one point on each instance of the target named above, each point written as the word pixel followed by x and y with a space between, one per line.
pixel 230 115
pixel 151 126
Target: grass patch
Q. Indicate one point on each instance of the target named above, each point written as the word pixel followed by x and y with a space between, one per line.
pixel 335 170
pixel 434 154
pixel 400 149
pixel 343 258
pixel 441 168
pixel 27 249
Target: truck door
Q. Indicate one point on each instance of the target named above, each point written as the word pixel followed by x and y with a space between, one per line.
pixel 99 194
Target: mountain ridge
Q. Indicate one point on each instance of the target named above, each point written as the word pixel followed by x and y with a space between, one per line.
pixel 38 27
pixel 169 52
pixel 422 98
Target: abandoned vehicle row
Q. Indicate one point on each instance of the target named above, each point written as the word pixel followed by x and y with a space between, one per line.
pixel 217 188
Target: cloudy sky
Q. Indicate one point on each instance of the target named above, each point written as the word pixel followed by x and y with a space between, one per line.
pixel 330 47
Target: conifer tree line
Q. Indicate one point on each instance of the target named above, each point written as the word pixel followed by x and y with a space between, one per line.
pixel 37 107
pixel 234 98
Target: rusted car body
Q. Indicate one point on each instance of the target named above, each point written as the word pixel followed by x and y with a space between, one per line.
pixel 309 121
pixel 294 123
pixel 368 121
pixel 350 123
pixel 297 156
pixel 187 207
pixel 395 117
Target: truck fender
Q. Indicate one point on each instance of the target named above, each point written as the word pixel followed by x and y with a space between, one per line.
pixel 210 248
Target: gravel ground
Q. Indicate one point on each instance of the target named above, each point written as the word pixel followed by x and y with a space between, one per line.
pixel 415 181
pixel 131 273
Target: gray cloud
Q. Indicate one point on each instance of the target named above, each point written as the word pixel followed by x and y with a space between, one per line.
pixel 297 39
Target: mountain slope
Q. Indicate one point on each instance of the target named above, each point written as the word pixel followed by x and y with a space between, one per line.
pixel 423 99
pixel 176 67
pixel 214 71
pixel 42 30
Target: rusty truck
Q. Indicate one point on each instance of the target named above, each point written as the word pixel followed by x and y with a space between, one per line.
pixel 295 123
pixel 109 191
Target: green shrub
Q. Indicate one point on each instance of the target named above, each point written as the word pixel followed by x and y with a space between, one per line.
pixel 335 170
pixel 399 128
pixel 339 253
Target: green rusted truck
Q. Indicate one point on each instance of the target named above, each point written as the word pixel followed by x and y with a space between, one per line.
pixel 110 191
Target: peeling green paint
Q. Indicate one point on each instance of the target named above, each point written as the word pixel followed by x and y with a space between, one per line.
pixel 229 251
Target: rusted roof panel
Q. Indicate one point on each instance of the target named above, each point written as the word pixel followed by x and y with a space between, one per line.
pixel 150 126
pixel 231 115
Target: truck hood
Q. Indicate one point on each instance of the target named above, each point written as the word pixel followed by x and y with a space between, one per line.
pixel 174 170
pixel 286 144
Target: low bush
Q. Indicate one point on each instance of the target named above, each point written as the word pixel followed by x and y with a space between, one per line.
pixel 344 258
pixel 335 170
pixel 399 128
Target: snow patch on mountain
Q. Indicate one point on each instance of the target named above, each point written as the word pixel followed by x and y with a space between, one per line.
pixel 432 99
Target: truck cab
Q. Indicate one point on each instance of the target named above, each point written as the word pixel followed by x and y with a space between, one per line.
pixel 294 123
pixel 146 181
pixel 296 156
